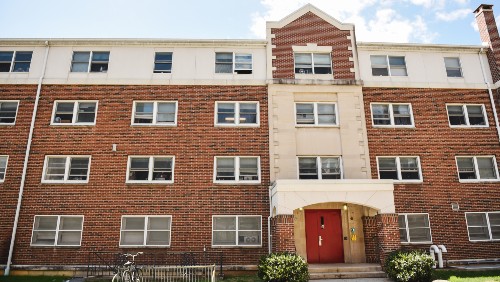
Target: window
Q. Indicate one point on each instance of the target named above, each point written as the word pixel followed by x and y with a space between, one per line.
pixel 237 113
pixel 388 65
pixel 453 68
pixel 403 169
pixel 414 228
pixel 140 231
pixel 313 63
pixel 397 115
pixel 237 169
pixel 236 230
pixel 66 169
pixel 163 62
pixel 15 61
pixel 90 62
pixel 3 167
pixel 8 112
pixel 154 113
pixel 233 62
pixel 318 114
pixel 57 230
pixel 466 115
pixel 320 168
pixel 74 113
pixel 483 226
pixel 150 169
pixel 477 168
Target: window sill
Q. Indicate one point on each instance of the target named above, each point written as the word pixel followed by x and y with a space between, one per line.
pixel 236 247
pixel 7 124
pixel 316 126
pixel 237 182
pixel 408 182
pixel 72 124
pixel 393 126
pixel 484 241
pixel 150 182
pixel 417 243
pixel 237 125
pixel 143 246
pixel 469 126
pixel 479 181
pixel 153 125
pixel 314 76
pixel 64 182
pixel 53 246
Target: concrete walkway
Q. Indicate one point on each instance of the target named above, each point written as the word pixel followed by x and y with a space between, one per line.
pixel 354 280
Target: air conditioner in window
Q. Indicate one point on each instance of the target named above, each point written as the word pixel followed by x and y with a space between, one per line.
pixel 251 239
pixel 248 178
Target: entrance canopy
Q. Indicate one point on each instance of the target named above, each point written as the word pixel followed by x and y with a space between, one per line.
pixel 288 195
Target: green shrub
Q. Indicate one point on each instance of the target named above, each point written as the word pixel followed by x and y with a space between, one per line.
pixel 409 266
pixel 283 267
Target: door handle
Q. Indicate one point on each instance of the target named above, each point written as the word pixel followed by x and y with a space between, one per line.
pixel 320 239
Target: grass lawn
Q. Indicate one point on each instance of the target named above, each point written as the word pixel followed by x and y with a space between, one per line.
pixel 33 278
pixel 241 278
pixel 468 276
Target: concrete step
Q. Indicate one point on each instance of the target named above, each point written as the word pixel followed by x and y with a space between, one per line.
pixel 347 275
pixel 337 268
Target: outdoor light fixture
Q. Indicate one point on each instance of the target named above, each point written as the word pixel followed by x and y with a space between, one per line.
pixel 345 207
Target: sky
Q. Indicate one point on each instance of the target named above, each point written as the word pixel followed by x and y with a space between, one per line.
pixel 413 21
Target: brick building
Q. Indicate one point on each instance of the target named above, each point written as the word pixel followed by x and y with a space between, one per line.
pixel 340 150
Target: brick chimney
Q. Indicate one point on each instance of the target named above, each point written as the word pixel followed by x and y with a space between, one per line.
pixel 489 34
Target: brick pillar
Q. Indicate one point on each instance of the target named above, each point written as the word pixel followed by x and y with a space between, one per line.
pixel 371 239
pixel 387 234
pixel 489 33
pixel 282 231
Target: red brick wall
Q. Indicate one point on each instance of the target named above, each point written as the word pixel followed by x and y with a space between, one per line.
pixel 191 200
pixel 310 28
pixel 387 234
pixel 437 145
pixel 282 232
pixel 489 33
pixel 371 239
pixel 13 141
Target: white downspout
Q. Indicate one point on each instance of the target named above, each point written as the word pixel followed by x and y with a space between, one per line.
pixel 434 249
pixel 269 235
pixel 442 249
pixel 492 101
pixel 26 158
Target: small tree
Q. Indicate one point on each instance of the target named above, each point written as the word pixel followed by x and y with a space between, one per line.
pixel 283 267
pixel 409 266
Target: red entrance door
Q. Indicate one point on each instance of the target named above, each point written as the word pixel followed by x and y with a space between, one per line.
pixel 324 236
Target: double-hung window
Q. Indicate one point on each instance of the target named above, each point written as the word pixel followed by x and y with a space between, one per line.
pixel 8 112
pixel 461 115
pixel 388 114
pixel 157 169
pixel 154 113
pixel 401 169
pixel 142 231
pixel 453 68
pixel 90 62
pixel 237 113
pixel 388 65
pixel 483 168
pixel 66 169
pixel 74 113
pixel 236 230
pixel 18 61
pixel 163 62
pixel 483 226
pixel 227 62
pixel 57 230
pixel 313 63
pixel 414 228
pixel 237 169
pixel 316 114
pixel 3 167
pixel 320 168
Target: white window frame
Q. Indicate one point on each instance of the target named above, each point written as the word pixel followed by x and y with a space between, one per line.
pixel 66 169
pixel 171 62
pixel 237 231
pixel 407 229
pixel 476 169
pixel 57 230
pixel 13 61
pixel 391 115
pixel 389 73
pixel 89 66
pixel 237 171
pixel 488 225
pixel 6 165
pixel 237 114
pixel 312 63
pixel 398 168
pixel 233 68
pixel 150 170
pixel 316 119
pixel 17 110
pixel 76 104
pixel 466 116
pixel 318 167
pixel 155 114
pixel 459 67
pixel 144 230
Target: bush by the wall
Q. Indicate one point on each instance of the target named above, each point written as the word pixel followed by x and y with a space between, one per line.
pixel 283 267
pixel 409 266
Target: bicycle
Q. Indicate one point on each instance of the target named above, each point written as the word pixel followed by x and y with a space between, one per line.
pixel 129 272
